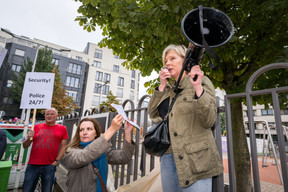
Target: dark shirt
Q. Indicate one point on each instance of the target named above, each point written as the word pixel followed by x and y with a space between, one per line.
pixel 163 107
pixel 3 142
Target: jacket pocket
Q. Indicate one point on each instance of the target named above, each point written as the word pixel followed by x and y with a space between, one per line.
pixel 185 104
pixel 199 155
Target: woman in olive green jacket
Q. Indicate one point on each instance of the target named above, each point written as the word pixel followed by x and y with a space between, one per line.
pixel 192 158
pixel 88 147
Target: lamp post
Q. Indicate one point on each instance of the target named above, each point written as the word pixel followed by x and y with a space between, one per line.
pixel 105 83
pixel 28 110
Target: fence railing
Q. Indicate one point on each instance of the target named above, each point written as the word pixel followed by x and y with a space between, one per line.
pixel 141 163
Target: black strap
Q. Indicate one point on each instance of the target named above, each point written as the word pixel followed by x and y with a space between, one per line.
pixel 171 105
pixel 205 44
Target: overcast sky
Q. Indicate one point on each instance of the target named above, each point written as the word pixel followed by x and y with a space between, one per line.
pixel 49 20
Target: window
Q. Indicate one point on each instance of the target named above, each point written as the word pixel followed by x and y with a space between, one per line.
pixel 78 58
pixel 19 52
pixel 116 68
pixel 105 89
pixel 99 76
pixel 245 113
pixel 55 61
pixel 98 54
pixel 106 77
pixel 133 73
pixel 8 100
pixel 131 95
pixel 9 83
pixel 116 57
pixel 132 84
pixel 72 82
pixel 96 100
pixel 15 68
pixel 285 111
pixel 97 64
pixel 121 81
pixel 119 92
pixel 97 88
pixel 265 112
pixel 72 94
pixel 74 68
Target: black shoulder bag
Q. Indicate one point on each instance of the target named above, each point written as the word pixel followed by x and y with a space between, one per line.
pixel 157 139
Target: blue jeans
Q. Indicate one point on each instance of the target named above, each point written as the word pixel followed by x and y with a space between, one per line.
pixel 170 182
pixel 32 173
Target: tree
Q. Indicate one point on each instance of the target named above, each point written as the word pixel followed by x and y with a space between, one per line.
pixel 63 103
pixel 138 31
pixel 18 80
pixel 60 100
pixel 43 64
pixel 110 99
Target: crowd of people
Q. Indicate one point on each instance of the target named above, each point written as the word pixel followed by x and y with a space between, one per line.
pixel 187 166
pixel 16 120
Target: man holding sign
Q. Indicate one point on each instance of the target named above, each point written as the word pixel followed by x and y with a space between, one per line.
pixel 44 157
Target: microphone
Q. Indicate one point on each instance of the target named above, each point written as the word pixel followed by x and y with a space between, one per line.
pixel 167 69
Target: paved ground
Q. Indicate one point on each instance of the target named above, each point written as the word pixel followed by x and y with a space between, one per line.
pixel 269 176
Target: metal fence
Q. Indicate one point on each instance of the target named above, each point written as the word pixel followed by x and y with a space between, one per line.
pixel 248 95
pixel 141 163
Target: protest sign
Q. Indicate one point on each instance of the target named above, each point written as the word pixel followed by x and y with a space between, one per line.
pixel 38 90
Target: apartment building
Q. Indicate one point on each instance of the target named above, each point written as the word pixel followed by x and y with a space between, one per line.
pixel 263 118
pixel 107 74
pixel 87 76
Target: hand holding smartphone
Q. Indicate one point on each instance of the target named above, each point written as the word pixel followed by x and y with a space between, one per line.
pixel 167 70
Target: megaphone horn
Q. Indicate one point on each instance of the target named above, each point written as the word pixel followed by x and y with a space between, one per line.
pixel 217 27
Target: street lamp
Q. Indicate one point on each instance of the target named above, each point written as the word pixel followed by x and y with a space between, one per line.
pixel 100 86
pixel 8 32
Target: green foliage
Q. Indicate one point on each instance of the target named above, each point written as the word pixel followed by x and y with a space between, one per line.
pixel 138 31
pixel 44 60
pixel 43 64
pixel 63 103
pixel 110 99
pixel 222 123
pixel 19 79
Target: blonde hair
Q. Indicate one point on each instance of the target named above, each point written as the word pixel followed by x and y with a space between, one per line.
pixel 75 142
pixel 180 49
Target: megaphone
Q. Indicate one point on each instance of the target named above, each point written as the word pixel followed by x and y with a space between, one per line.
pixel 204 28
pixel 217 27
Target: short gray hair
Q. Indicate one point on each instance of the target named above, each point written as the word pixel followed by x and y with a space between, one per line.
pixel 180 49
pixel 52 109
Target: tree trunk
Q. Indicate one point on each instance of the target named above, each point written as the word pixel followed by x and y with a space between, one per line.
pixel 240 148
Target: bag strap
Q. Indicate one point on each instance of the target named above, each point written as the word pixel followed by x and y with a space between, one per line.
pixel 171 105
pixel 96 170
pixel 204 42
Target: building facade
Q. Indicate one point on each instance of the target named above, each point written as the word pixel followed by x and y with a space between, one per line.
pixel 263 118
pixel 107 74
pixel 73 78
pixel 87 76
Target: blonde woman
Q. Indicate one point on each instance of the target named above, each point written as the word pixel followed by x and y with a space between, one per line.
pixel 192 159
